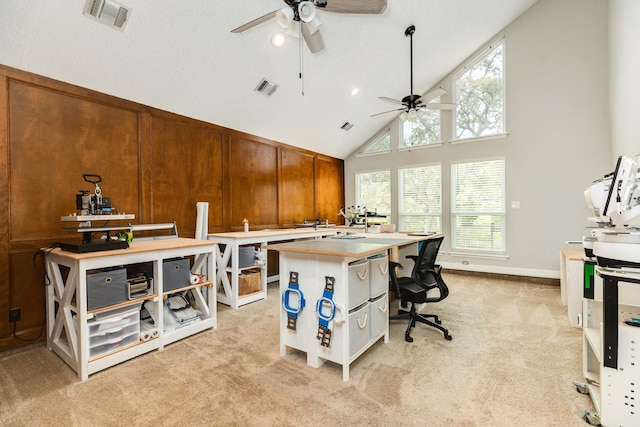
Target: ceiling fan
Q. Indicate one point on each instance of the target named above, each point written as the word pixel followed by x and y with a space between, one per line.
pixel 299 16
pixel 414 105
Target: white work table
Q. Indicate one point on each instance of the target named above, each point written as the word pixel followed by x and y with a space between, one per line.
pixel 334 303
pixel 74 330
pixel 227 284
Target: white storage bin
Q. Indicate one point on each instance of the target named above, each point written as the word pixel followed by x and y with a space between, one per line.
pixel 358 328
pixel 113 332
pixel 379 315
pixel 358 283
pixel 378 275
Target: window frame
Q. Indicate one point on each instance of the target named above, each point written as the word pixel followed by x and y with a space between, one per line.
pixel 358 197
pixel 501 41
pixel 454 213
pixel 386 132
pixel 402 213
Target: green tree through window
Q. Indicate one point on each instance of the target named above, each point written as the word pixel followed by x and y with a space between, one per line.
pixel 373 190
pixel 480 96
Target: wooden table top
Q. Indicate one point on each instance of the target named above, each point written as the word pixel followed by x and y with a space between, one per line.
pixel 282 232
pixel 139 247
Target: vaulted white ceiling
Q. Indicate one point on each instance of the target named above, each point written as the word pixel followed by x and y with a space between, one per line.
pixel 181 56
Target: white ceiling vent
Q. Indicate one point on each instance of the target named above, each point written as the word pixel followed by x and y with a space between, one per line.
pixel 108 12
pixel 266 87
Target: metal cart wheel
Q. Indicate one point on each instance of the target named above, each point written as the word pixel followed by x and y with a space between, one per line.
pixel 591 418
pixel 581 387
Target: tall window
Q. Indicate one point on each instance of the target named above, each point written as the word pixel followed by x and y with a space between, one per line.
pixel 423 130
pixel 478 207
pixel 479 92
pixel 373 190
pixel 420 199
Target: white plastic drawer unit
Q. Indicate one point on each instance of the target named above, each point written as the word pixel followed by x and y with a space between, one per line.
pixel 379 316
pixel 358 283
pixel 379 275
pixel 113 332
pixel 358 328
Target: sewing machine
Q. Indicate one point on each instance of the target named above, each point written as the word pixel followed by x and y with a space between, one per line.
pixel 615 203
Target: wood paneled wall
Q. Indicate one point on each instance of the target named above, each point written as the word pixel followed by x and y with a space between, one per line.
pixel 153 164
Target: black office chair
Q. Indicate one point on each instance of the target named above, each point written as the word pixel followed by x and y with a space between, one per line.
pixel 425 276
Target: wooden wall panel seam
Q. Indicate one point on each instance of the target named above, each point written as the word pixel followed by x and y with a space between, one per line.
pixel 5 287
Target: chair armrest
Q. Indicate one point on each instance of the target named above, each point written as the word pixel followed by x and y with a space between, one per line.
pixel 394 264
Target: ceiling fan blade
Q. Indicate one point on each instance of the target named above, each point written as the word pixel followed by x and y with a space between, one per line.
pixel 242 28
pixel 395 101
pixel 356 6
pixel 314 41
pixel 439 106
pixel 432 95
pixel 385 112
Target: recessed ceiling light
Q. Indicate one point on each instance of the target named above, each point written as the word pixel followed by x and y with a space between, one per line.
pixel 354 91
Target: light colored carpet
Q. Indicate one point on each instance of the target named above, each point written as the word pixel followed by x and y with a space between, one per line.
pixel 511 363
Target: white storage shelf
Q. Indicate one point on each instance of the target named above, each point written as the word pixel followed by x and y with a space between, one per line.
pixel 615 392
pixel 571 273
pixel 90 341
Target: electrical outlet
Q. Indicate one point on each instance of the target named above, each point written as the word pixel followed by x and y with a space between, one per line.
pixel 14 315
pixel 465 262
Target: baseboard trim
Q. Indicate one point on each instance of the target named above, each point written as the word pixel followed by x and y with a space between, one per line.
pixel 508 271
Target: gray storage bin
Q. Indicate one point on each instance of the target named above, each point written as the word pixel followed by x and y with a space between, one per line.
pixel 358 328
pixel 106 288
pixel 378 276
pixel 246 257
pixel 358 283
pixel 175 274
pixel 378 316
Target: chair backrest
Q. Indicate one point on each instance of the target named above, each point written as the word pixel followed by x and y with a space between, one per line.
pixel 423 269
pixel 426 258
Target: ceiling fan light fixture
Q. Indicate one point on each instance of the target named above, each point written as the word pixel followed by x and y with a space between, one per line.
pixel 293 29
pixel 306 11
pixel 404 116
pixel 313 26
pixel 277 39
pixel 284 16
pixel 412 114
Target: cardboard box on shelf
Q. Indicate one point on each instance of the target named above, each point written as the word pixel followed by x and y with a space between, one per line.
pixel 248 281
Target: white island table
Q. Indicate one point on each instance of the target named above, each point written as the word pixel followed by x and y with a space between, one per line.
pixel 334 303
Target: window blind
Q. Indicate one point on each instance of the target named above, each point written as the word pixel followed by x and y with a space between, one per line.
pixel 420 198
pixel 478 206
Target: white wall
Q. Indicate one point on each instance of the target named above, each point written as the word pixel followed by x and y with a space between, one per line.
pixel 624 69
pixel 558 143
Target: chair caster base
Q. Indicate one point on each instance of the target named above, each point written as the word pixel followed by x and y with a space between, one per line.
pixel 408 338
